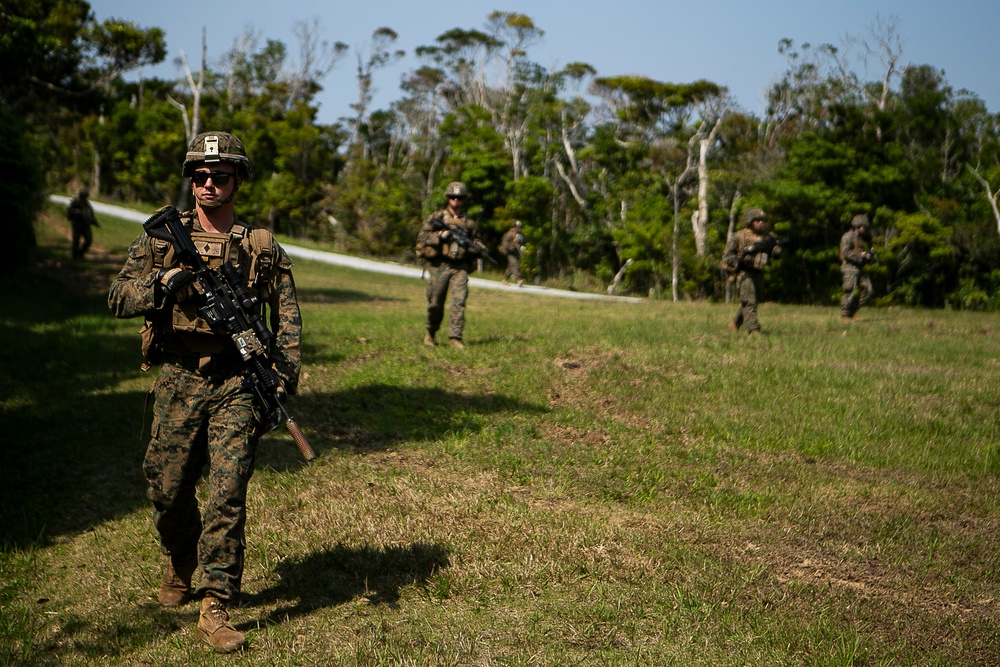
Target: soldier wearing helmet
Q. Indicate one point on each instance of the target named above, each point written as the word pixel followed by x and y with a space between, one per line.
pixel 747 253
pixel 855 256
pixel 512 245
pixel 81 218
pixel 448 242
pixel 203 413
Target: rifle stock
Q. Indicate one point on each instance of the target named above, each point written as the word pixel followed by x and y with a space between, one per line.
pixel 228 308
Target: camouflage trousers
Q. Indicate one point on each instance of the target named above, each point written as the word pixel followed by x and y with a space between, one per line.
pixel 442 278
pixel 857 292
pixel 513 271
pixel 199 420
pixel 750 287
pixel 83 236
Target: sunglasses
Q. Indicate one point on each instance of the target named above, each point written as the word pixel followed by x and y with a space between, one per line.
pixel 199 178
pixel 459 197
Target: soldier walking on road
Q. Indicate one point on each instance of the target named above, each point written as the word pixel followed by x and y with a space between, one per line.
pixel 448 241
pixel 855 256
pixel 512 245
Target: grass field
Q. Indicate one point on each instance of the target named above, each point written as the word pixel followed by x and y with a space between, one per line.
pixel 587 483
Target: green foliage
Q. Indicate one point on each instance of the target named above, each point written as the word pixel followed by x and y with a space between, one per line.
pixel 20 174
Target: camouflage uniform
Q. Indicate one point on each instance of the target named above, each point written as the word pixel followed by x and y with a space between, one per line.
pixel 202 413
pixel 747 270
pixel 510 245
pixel 81 217
pixel 855 255
pixel 450 264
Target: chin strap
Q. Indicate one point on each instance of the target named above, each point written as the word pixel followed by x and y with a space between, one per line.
pixel 219 204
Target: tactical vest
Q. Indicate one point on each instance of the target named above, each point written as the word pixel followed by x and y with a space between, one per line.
pixel 181 330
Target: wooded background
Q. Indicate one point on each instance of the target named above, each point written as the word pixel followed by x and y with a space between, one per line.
pixel 600 168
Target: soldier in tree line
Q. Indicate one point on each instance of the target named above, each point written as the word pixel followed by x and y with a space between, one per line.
pixel 81 217
pixel 855 256
pixel 747 253
pixel 512 245
pixel 203 412
pixel 450 262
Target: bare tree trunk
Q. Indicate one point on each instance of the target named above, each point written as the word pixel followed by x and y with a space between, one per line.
pixel 991 195
pixel 699 223
pixel 729 235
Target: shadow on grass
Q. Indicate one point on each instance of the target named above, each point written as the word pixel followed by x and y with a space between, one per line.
pixel 318 295
pixel 340 574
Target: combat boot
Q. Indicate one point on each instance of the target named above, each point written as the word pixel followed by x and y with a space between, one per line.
pixel 429 339
pixel 457 343
pixel 176 585
pixel 214 627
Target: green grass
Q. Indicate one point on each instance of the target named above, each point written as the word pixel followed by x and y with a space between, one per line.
pixel 585 484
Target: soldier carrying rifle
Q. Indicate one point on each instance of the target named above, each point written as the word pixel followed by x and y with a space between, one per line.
pixel 206 409
pixel 747 253
pixel 855 256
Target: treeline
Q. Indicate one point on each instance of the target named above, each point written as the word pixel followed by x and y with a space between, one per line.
pixel 600 169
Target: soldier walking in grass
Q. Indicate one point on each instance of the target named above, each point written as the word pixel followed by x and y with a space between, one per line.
pixel 747 253
pixel 855 256
pixel 512 245
pixel 448 242
pixel 81 219
pixel 203 412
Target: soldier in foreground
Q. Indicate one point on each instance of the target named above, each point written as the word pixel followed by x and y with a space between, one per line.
pixel 512 245
pixel 747 253
pixel 855 256
pixel 448 241
pixel 81 218
pixel 203 413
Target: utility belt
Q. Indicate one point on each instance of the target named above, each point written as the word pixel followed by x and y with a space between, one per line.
pixel 220 364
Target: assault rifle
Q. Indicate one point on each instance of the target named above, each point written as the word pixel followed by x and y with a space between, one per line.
pixel 230 310
pixel 766 245
pixel 462 238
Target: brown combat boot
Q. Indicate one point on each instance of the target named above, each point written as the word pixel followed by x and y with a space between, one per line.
pixel 733 326
pixel 214 627
pixel 457 343
pixel 176 585
pixel 429 339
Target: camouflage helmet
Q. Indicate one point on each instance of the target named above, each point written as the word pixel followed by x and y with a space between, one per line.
pixel 751 215
pixel 209 147
pixel 517 223
pixel 859 221
pixel 456 189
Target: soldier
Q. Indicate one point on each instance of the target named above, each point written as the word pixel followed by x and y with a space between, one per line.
pixel 202 412
pixel 448 242
pixel 747 253
pixel 81 217
pixel 855 255
pixel 512 245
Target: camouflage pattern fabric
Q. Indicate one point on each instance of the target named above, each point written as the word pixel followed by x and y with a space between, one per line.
pixel 857 285
pixel 443 277
pixel 450 264
pixel 202 415
pixel 510 247
pixel 748 272
pixel 82 218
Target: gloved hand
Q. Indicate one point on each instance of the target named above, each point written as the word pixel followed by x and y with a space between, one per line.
pixel 174 280
pixel 445 235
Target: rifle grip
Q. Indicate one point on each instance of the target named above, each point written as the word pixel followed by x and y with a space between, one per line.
pixel 300 440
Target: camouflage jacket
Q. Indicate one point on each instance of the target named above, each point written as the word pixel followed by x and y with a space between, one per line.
pixel 81 213
pixel 853 246
pixel 431 247
pixel 136 292
pixel 736 259
pixel 511 242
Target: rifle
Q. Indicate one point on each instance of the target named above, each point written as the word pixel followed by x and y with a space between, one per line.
pixel 228 308
pixel 462 238
pixel 766 245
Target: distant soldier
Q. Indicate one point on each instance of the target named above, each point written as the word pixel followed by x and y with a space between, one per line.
pixel 747 253
pixel 855 255
pixel 512 245
pixel 81 217
pixel 448 242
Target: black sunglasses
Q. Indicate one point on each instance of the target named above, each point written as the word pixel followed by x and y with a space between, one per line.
pixel 199 178
pixel 456 197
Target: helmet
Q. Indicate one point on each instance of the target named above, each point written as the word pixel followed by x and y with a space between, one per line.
pixel 517 224
pixel 211 147
pixel 859 221
pixel 456 189
pixel 751 215
pixel 84 194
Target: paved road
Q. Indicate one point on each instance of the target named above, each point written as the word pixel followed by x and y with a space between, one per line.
pixel 368 264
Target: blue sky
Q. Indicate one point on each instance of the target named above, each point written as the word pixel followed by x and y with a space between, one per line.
pixel 729 42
